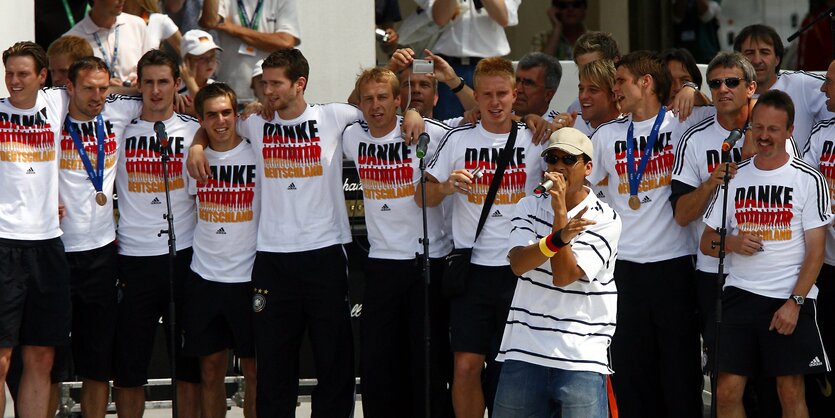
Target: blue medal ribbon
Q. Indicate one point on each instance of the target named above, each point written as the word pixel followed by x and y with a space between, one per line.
pixel 635 177
pixel 97 175
pixel 256 15
pixel 115 57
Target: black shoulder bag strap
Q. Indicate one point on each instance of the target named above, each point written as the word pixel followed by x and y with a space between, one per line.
pixel 504 158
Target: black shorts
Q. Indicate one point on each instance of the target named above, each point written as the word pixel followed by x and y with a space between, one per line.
pixel 93 287
pixel 477 317
pixel 143 297
pixel 34 293
pixel 748 348
pixel 217 316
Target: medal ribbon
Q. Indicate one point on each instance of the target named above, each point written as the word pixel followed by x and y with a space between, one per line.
pixel 113 58
pixel 256 16
pixel 635 177
pixel 97 176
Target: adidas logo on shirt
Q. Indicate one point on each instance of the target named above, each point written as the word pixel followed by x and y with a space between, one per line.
pixel 600 195
pixel 646 200
pixel 815 362
pixel 496 214
pixel 385 208
pixel 156 201
pixel 30 171
pixel 292 186
pixel 221 231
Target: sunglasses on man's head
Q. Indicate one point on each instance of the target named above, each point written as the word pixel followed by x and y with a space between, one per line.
pixel 566 159
pixel 578 4
pixel 731 82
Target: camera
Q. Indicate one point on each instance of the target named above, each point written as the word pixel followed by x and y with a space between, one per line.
pixel 422 66
pixel 382 36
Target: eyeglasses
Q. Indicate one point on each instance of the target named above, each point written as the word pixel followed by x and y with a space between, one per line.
pixel 566 159
pixel 577 4
pixel 731 82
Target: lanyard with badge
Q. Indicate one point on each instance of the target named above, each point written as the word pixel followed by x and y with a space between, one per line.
pixel 251 23
pixel 113 58
pixel 635 176
pixel 96 176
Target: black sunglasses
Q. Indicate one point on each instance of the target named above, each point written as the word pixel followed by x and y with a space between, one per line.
pixel 571 4
pixel 731 82
pixel 566 159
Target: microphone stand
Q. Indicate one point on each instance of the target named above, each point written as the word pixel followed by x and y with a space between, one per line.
pixel 172 256
pixel 831 14
pixel 720 282
pixel 426 281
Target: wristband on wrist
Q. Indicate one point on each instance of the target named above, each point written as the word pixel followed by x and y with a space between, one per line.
pixel 545 248
pixel 556 239
pixel 690 84
pixel 460 86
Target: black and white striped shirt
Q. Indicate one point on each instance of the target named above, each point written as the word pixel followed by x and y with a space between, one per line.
pixel 567 327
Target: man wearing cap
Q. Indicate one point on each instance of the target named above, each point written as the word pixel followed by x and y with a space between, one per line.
pixel 249 31
pixel 563 247
pixel 200 59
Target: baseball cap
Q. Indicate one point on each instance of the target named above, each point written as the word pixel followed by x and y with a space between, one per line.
pixel 257 70
pixel 571 141
pixel 197 42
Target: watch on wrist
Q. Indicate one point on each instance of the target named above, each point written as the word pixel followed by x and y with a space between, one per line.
pixel 690 84
pixel 799 300
pixel 458 87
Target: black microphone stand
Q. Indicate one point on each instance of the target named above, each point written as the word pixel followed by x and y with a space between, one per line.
pixel 829 13
pixel 427 328
pixel 172 257
pixel 720 282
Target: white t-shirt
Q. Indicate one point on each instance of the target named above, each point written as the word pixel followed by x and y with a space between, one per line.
pixel 160 27
pixel 141 188
pixel 227 216
pixel 819 153
pixel 130 43
pixel 650 233
pixel 236 62
pixel 570 327
pixel 87 225
pixel 778 206
pixel 474 33
pixel 389 172
pixel 469 147
pixel 29 167
pixel 300 166
pixel 809 102
pixel 697 155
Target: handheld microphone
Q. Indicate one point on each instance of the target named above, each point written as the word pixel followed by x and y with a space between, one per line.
pixel 733 137
pixel 422 145
pixel 162 137
pixel 543 187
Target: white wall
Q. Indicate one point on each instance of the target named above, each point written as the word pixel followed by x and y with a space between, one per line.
pixel 338 41
pixel 17 23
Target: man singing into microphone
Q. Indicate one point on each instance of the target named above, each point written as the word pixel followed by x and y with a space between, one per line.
pixel 563 246
pixel 143 250
pixel 778 213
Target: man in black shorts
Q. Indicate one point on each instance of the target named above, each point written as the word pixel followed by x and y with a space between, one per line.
pixel 34 280
pixel 778 213
pixel 143 250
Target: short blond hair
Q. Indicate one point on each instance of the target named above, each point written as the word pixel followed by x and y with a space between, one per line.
pixel 600 73
pixel 378 75
pixel 494 66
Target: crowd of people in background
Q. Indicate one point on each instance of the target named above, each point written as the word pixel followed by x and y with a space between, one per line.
pixel 574 253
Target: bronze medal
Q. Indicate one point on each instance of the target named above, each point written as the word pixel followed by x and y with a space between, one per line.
pixel 634 202
pixel 101 199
